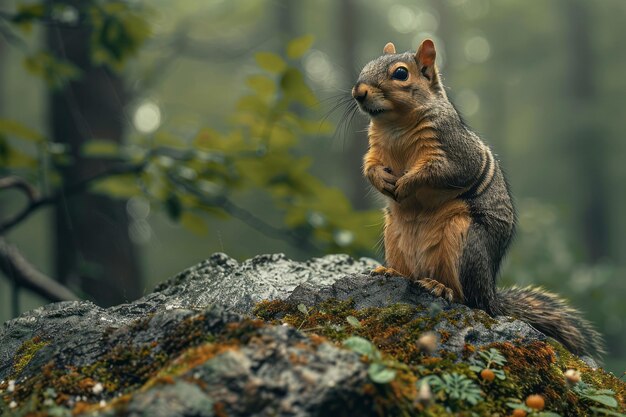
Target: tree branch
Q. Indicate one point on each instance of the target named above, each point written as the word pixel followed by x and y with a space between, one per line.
pixel 21 184
pixel 79 187
pixel 82 186
pixel 25 275
pixel 247 217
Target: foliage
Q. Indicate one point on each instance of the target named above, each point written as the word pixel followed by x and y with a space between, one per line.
pixel 584 391
pixel 603 396
pixel 116 29
pixel 258 153
pixel 198 177
pixel 456 387
pixel 489 360
pixel 354 322
pixel 380 371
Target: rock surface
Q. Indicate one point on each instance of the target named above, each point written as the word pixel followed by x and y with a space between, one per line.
pixel 193 348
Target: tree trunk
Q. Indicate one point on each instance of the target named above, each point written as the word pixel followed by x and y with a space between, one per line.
pixel 3 47
pixel 586 135
pixel 91 244
pixel 356 140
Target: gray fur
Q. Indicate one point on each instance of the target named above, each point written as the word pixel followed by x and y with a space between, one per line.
pixel 493 218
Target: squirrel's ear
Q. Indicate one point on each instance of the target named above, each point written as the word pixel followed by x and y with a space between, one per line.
pixel 390 48
pixel 425 58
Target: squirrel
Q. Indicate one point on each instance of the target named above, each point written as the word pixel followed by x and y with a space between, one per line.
pixel 450 216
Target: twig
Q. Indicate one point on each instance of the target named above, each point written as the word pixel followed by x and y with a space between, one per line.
pixel 81 186
pixel 247 217
pixel 76 188
pixel 25 275
pixel 10 37
pixel 21 184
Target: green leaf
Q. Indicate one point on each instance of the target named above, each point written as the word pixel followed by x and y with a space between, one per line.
pixel 354 322
pixel 361 346
pixel 261 84
pixel 194 223
pixel 493 355
pixel 100 148
pixel 253 104
pixel 298 46
pixel 166 139
pixel 14 128
pixel 28 12
pixel 606 412
pixel 295 88
pixel 119 186
pixel 55 72
pixel 270 62
pixel 602 396
pixel 603 399
pixel 11 157
pixel 381 374
pixel 302 309
pixel 520 406
pixel 499 373
pixel 546 414
pixel 117 32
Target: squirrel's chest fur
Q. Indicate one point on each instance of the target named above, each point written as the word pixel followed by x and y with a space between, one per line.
pixel 425 233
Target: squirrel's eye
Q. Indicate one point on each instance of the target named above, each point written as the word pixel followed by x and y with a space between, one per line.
pixel 401 73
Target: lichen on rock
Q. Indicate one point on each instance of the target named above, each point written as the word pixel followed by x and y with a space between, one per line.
pixel 270 336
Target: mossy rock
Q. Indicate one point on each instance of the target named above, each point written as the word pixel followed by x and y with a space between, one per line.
pixel 271 336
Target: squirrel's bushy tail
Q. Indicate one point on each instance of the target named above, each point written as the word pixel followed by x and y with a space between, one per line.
pixel 552 316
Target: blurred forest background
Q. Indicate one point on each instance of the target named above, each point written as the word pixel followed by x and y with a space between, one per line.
pixel 137 138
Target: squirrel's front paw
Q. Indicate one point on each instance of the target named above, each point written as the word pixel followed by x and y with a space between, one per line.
pixel 436 288
pixel 403 188
pixel 383 180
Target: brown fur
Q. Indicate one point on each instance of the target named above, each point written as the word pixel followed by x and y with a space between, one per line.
pixel 425 226
pixel 424 231
pixel 450 217
pixel 427 243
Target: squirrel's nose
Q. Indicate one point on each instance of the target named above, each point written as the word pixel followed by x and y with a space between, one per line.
pixel 359 92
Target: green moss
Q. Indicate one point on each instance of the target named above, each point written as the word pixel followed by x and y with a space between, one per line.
pixel 26 352
pixel 532 368
pixel 269 310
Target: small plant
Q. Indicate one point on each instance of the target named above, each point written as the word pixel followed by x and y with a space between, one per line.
pixel 354 322
pixel 605 397
pixel 379 371
pixel 456 387
pixel 486 365
pixel 532 409
pixel 304 310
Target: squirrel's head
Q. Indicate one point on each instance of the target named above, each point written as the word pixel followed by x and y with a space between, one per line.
pixel 394 85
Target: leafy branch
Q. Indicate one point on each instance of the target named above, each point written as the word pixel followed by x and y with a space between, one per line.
pixel 35 203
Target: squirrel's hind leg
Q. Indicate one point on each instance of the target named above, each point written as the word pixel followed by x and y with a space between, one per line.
pixel 436 288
